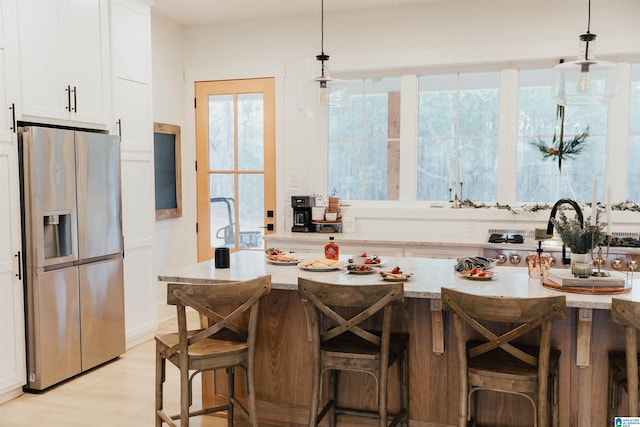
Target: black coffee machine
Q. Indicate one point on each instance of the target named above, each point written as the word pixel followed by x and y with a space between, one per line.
pixel 302 213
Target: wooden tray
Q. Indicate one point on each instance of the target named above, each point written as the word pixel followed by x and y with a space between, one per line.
pixel 591 290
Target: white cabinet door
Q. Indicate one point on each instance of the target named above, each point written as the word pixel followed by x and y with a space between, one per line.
pixel 132 108
pixel 63 57
pixel 12 352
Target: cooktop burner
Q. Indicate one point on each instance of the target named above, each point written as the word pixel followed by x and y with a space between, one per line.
pixel 506 238
pixel 625 242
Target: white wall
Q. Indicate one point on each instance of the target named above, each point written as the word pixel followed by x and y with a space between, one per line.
pixel 433 34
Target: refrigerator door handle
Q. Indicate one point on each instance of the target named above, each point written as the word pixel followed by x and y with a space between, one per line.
pixel 19 273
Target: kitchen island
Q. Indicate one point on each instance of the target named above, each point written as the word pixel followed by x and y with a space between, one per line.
pixel 283 375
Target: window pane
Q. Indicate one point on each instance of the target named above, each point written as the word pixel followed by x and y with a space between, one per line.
pixel 221 134
pixel 363 147
pixel 251 205
pixel 250 131
pixel 539 179
pixel 458 129
pixel 633 184
pixel 222 210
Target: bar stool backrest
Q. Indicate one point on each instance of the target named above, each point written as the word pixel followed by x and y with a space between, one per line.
pixel 208 300
pixel 627 313
pixel 325 299
pixel 499 360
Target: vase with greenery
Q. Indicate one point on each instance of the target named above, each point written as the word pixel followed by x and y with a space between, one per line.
pixel 579 238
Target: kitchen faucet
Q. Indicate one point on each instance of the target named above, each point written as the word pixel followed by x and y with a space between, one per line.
pixel 554 209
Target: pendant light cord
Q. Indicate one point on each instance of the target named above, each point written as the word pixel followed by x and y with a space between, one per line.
pixel 322 57
pixel 588 18
pixel 322 25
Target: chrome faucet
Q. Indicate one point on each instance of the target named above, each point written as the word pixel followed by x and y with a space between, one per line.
pixel 554 209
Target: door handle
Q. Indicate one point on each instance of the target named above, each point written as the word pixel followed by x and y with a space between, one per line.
pixel 13 117
pixel 68 90
pixel 269 227
pixel 75 100
pixel 19 273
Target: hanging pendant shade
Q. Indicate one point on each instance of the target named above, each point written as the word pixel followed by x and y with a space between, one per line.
pixel 323 94
pixel 585 81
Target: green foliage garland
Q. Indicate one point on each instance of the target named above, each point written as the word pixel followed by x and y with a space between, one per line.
pixel 627 205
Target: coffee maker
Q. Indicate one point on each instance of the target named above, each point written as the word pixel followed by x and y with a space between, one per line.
pixel 302 213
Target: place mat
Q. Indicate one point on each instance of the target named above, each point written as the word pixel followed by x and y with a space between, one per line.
pixel 591 290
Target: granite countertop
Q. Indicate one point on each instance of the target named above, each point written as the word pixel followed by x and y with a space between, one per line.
pixel 429 276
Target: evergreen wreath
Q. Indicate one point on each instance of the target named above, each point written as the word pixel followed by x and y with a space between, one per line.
pixel 559 148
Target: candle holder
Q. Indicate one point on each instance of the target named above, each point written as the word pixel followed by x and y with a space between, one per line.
pixel 457 202
pixel 598 262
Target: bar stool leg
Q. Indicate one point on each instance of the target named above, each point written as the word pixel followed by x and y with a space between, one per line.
pixel 230 395
pixel 251 388
pixel 403 371
pixel 333 396
pixel 160 377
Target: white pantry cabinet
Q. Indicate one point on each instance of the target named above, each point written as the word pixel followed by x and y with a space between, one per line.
pixel 64 60
pixel 12 350
pixel 130 28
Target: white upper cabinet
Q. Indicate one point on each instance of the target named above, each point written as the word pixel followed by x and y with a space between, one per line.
pixel 64 60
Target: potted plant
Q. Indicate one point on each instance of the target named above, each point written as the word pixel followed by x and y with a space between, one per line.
pixel 579 238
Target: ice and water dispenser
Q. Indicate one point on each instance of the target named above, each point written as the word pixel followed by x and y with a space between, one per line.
pixel 56 235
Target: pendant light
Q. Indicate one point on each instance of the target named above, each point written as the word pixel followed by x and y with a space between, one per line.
pixel 323 94
pixel 585 81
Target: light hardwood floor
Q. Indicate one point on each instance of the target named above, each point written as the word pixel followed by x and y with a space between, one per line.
pixel 120 393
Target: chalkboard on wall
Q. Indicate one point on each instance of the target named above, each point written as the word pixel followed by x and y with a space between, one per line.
pixel 168 179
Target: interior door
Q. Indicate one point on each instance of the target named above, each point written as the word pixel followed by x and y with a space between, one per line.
pixel 235 154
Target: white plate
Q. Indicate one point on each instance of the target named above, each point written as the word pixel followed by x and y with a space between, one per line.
pixel 489 276
pixel 370 270
pixel 338 267
pixel 296 259
pixel 396 279
pixel 381 264
pixel 284 262
pixel 406 276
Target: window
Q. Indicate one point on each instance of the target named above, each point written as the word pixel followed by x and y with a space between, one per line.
pixel 539 179
pixel 455 125
pixel 633 184
pixel 364 143
pixel 458 135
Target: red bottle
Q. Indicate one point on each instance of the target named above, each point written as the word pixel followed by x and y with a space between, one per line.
pixel 331 250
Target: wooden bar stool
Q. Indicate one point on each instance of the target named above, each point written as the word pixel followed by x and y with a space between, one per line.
pixel 495 362
pixel 623 365
pixel 336 316
pixel 224 344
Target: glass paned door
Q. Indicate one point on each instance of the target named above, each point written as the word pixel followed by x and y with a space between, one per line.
pixel 235 139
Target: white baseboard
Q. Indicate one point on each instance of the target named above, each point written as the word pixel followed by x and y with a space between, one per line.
pixel 10 395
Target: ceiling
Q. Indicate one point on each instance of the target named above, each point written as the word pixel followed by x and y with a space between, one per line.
pixel 194 12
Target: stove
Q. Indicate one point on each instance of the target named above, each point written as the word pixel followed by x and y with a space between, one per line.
pixel 506 238
pixel 512 247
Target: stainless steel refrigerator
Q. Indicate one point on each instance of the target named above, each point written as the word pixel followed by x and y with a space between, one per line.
pixel 73 246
